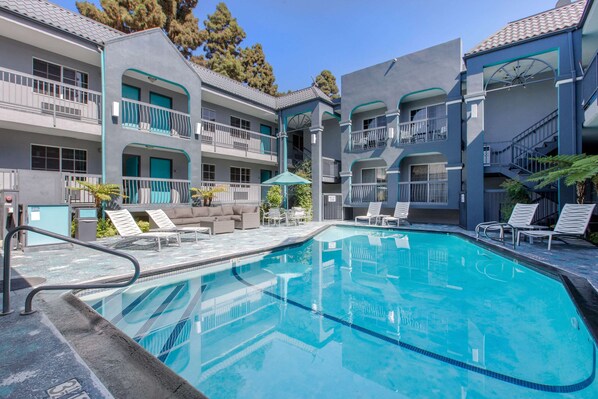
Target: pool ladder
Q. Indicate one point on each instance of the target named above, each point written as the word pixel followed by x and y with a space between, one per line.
pixel 28 301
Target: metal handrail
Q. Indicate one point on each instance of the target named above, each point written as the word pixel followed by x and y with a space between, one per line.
pixel 28 301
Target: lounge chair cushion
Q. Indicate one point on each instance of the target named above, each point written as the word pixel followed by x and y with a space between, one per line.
pixel 215 211
pixel 200 211
pixel 227 210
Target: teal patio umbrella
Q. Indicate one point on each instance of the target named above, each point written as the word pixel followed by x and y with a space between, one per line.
pixel 286 179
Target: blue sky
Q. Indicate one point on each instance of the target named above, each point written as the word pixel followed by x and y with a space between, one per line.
pixel 301 38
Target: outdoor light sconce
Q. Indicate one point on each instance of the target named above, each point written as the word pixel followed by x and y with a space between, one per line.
pixel 314 138
pixel 115 109
pixel 391 132
pixel 474 111
pixel 198 129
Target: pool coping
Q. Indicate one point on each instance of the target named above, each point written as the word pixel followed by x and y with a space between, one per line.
pixel 581 292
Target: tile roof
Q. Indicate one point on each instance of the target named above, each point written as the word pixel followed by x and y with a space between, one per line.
pixel 70 22
pixel 60 18
pixel 540 24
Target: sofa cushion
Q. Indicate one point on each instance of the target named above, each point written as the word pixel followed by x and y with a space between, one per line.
pixel 236 218
pixel 227 210
pixel 224 217
pixel 200 211
pixel 205 218
pixel 237 209
pixel 170 213
pixel 180 222
pixel 250 209
pixel 215 211
pixel 183 212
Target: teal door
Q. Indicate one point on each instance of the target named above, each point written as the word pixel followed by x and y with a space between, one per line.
pixel 265 175
pixel 130 111
pixel 160 168
pixel 266 142
pixel 160 118
pixel 131 169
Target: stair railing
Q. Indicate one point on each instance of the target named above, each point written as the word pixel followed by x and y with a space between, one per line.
pixel 539 132
pixel 28 301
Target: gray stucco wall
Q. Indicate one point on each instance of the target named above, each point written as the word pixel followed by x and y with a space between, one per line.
pixel 223 168
pixel 19 56
pixel 15 150
pixel 331 138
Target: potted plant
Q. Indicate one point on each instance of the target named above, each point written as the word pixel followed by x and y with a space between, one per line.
pixel 207 194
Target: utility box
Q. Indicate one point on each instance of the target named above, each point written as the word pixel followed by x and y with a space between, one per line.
pixel 87 224
pixel 9 213
pixel 53 218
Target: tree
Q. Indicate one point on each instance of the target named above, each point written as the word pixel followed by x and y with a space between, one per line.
pixel 101 192
pixel 222 38
pixel 326 82
pixel 574 169
pixel 258 72
pixel 175 17
pixel 207 193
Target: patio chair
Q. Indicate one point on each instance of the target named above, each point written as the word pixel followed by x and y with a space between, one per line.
pixel 274 215
pixel 161 219
pixel 520 219
pixel 127 228
pixel 360 141
pixel 298 215
pixel 573 222
pixel 372 213
pixel 401 213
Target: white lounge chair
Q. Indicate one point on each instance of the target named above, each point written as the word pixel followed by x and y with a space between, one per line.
pixel 373 213
pixel 573 222
pixel 520 219
pixel 127 228
pixel 401 213
pixel 164 223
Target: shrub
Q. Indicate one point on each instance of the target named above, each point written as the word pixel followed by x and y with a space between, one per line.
pixel 105 229
pixel 143 225
pixel 517 193
pixel 274 197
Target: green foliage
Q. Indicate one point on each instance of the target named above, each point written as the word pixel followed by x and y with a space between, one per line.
pixel 274 197
pixel 517 193
pixel 327 83
pixel 257 71
pixel 573 169
pixel 593 237
pixel 101 192
pixel 207 193
pixel 301 193
pixel 105 229
pixel 175 17
pixel 144 225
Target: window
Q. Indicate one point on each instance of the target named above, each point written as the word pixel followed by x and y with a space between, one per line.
pixel 373 175
pixel 429 112
pixel 240 175
pixel 241 124
pixel 429 172
pixel 298 141
pixel 377 121
pixel 58 159
pixel 429 183
pixel 208 172
pixel 59 73
pixel 208 114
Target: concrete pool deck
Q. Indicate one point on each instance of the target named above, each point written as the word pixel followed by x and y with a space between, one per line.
pixel 80 264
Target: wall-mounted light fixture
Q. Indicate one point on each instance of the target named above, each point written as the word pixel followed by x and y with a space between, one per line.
pixel 314 138
pixel 474 111
pixel 198 129
pixel 115 109
pixel 391 132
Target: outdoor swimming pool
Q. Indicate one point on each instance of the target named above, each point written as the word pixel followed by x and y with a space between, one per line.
pixel 363 313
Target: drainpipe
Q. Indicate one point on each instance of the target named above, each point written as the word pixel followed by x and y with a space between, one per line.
pixel 103 78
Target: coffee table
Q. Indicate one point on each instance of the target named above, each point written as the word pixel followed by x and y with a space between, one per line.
pixel 219 226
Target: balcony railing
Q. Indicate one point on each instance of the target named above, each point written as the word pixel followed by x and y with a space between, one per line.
pixel 424 192
pixel 330 168
pixel 422 131
pixel 237 192
pixel 145 190
pixel 368 192
pixel 368 139
pixel 78 196
pixel 9 179
pixel 30 93
pixel 224 136
pixel 589 84
pixel 151 118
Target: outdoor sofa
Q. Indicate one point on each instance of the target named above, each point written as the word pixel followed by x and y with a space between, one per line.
pixel 244 216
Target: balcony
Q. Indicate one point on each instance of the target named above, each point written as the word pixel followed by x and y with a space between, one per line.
pixel 422 131
pixel 368 192
pixel 48 103
pixel 222 139
pixel 433 192
pixel 71 180
pixel 149 191
pixel 330 170
pixel 150 118
pixel 368 139
pixel 589 89
pixel 237 193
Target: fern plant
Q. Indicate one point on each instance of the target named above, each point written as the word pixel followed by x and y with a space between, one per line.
pixel 101 192
pixel 207 194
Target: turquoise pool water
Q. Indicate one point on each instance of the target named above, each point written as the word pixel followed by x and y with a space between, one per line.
pixel 363 313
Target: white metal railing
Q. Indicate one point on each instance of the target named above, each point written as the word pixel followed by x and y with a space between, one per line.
pixel 368 192
pixel 34 94
pixel 422 131
pixel 221 135
pixel 367 139
pixel 330 167
pixel 237 192
pixel 146 190
pixel 9 179
pixel 71 180
pixel 154 119
pixel 424 192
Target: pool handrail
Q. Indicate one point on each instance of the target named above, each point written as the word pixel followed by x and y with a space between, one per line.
pixel 28 301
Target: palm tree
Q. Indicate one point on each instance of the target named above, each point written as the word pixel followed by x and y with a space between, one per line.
pixel 101 192
pixel 207 193
pixel 574 169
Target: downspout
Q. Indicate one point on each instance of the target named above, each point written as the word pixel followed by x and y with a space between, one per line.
pixel 103 75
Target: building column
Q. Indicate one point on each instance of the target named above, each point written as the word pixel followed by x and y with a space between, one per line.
pixel 474 160
pixel 316 172
pixel 567 136
pixel 392 171
pixel 282 151
pixel 345 173
pixel 346 187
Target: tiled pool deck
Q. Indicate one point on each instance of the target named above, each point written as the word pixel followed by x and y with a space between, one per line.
pixel 81 264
